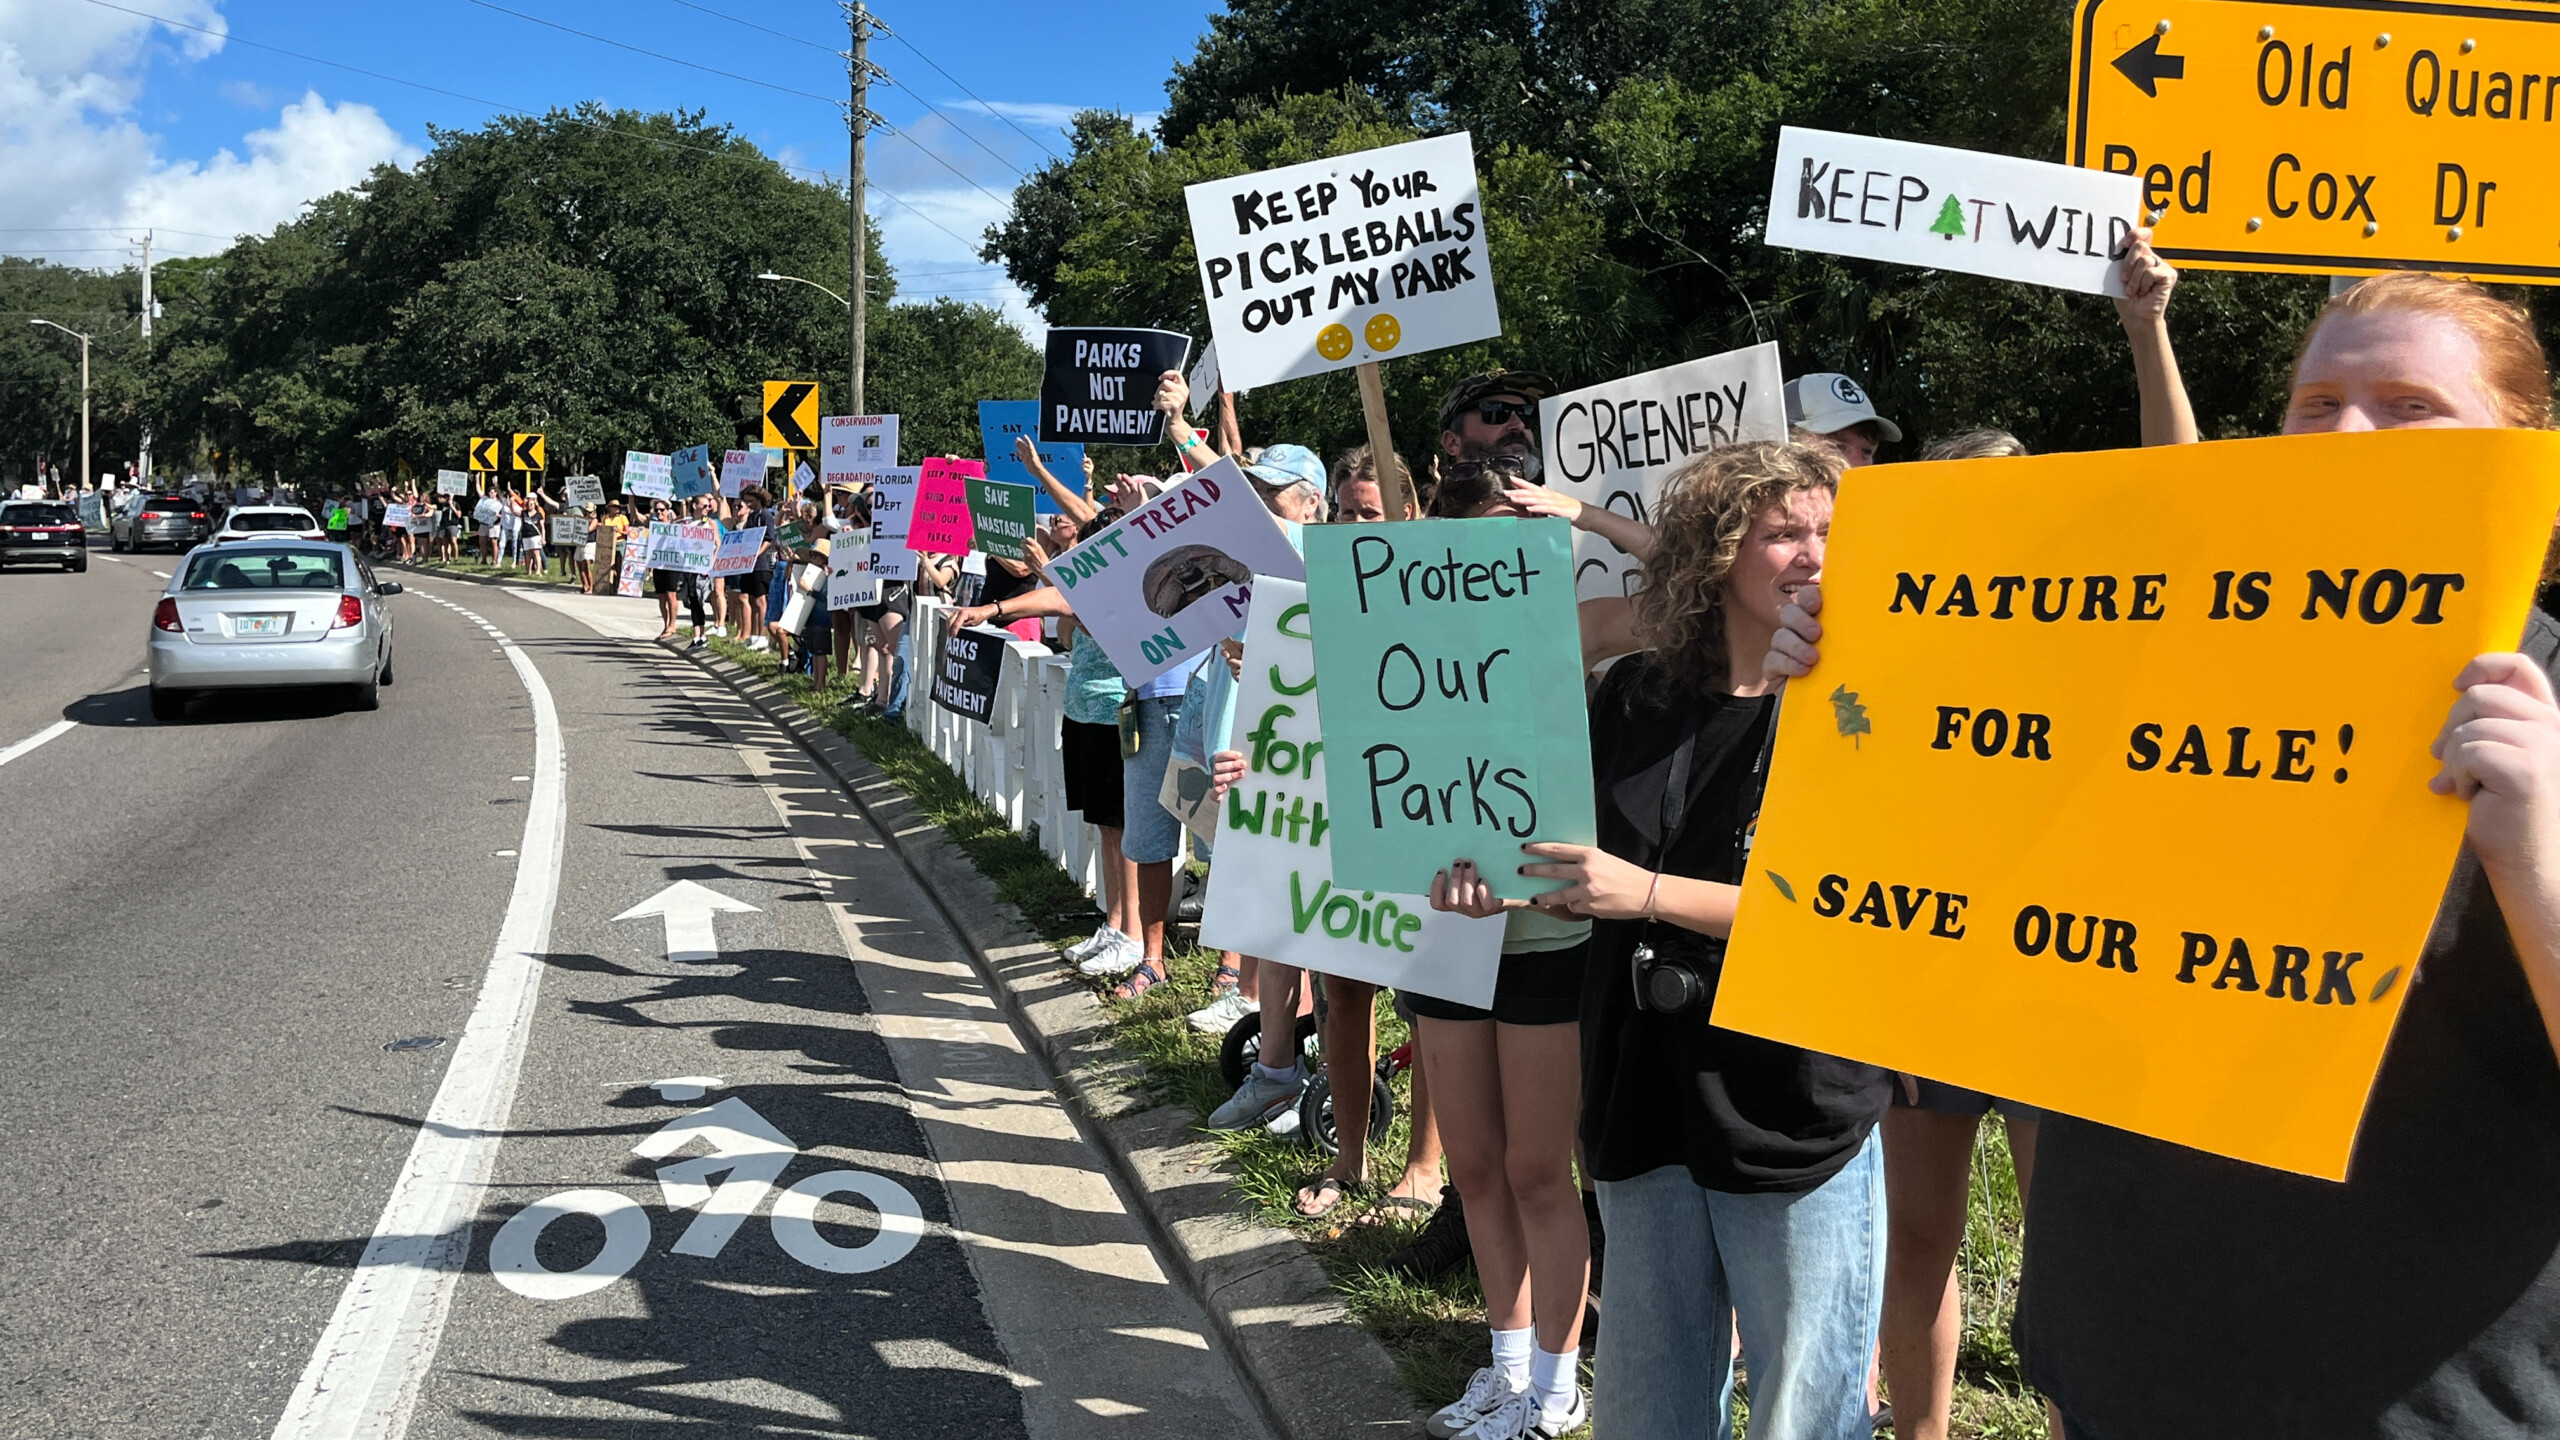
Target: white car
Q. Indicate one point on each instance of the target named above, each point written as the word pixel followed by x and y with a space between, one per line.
pixel 270 614
pixel 269 522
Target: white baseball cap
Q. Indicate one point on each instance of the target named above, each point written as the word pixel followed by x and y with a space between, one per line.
pixel 1827 404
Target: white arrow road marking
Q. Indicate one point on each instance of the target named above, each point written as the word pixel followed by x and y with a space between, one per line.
pixel 743 1143
pixel 688 909
pixel 366 1373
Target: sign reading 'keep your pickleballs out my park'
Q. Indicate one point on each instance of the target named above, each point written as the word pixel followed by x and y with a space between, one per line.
pixel 1342 262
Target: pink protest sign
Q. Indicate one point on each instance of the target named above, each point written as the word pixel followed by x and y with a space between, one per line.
pixel 941 523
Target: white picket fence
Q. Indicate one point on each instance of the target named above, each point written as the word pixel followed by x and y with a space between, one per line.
pixel 1012 762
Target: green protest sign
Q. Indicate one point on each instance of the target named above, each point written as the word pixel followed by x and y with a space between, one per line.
pixel 1002 516
pixel 1451 663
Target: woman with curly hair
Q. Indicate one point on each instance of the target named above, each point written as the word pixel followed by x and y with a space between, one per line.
pixel 1739 1178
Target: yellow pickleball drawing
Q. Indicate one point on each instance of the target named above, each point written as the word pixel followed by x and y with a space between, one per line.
pixel 1382 332
pixel 1333 342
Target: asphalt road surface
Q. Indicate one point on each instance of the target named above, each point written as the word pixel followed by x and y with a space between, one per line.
pixel 551 1052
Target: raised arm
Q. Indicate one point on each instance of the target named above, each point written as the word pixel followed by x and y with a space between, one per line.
pixel 1069 501
pixel 2167 417
pixel 1631 535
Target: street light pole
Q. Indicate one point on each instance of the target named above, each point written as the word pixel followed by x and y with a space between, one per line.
pixel 858 119
pixel 84 393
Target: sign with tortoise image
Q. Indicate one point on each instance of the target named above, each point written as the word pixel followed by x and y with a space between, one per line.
pixel 1174 576
pixel 2109 793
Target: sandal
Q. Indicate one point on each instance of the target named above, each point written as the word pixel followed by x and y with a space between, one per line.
pixel 1228 978
pixel 1325 1192
pixel 1148 975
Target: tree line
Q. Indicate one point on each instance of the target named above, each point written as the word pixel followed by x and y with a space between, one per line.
pixel 1625 148
pixel 589 274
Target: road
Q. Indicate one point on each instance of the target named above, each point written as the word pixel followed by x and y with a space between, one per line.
pixel 305 1006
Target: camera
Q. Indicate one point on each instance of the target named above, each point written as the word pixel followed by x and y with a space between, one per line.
pixel 1675 984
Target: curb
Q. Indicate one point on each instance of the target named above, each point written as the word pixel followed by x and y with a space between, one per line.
pixel 1308 1368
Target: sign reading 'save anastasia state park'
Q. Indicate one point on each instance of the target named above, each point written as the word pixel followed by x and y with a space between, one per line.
pixel 2110 791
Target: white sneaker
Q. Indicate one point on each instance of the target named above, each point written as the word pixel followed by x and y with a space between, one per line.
pixel 1486 1393
pixel 1258 1099
pixel 1092 945
pixel 758 643
pixel 1220 1015
pixel 1119 958
pixel 1522 1417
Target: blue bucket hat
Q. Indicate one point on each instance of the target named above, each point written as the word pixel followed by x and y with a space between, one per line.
pixel 1280 466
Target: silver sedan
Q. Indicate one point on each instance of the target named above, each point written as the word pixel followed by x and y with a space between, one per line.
pixel 269 614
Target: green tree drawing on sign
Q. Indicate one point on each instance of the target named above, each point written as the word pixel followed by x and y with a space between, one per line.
pixel 1850 715
pixel 1950 221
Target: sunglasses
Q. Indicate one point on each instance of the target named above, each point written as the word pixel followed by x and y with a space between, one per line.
pixel 1498 412
pixel 1508 467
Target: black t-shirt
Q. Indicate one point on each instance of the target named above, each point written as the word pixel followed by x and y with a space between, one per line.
pixel 2173 1293
pixel 1745 1115
pixel 1002 585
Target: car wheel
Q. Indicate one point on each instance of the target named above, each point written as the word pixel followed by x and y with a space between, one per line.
pixel 367 696
pixel 77 567
pixel 385 676
pixel 168 706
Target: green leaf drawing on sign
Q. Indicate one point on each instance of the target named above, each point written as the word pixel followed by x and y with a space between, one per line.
pixel 1950 221
pixel 2382 985
pixel 1781 882
pixel 1849 714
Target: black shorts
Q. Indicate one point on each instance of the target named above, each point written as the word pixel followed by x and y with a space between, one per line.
pixel 1945 1099
pixel 872 613
pixel 1090 754
pixel 1539 987
pixel 666 582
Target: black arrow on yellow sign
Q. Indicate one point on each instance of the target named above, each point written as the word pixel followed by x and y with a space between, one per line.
pixel 2145 66
pixel 527 451
pixel 484 452
pixel 791 414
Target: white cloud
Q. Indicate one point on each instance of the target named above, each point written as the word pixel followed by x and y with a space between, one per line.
pixel 70 78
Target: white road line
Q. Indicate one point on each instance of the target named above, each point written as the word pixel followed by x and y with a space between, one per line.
pixel 58 727
pixel 163 574
pixel 366 1373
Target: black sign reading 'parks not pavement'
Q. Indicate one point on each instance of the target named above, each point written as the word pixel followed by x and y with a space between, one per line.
pixel 964 683
pixel 1100 385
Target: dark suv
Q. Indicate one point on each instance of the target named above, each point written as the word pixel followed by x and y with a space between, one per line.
pixel 42 532
pixel 171 520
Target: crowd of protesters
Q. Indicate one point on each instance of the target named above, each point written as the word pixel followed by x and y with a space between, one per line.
pixel 1797 1216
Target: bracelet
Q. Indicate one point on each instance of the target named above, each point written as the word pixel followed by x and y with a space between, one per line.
pixel 999 612
pixel 1649 892
pixel 1192 443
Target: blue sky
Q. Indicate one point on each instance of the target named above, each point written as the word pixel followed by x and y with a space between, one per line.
pixel 110 122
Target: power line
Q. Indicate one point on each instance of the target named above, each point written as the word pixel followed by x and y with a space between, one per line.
pixel 234 37
pixel 936 159
pixel 972 94
pixel 750 24
pixel 108 229
pixel 654 55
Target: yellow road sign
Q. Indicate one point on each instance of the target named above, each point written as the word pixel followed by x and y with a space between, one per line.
pixel 2350 137
pixel 526 453
pixel 791 414
pixel 484 452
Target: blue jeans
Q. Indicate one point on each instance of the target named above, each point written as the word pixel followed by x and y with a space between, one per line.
pixel 1804 1271
pixel 897 707
pixel 1150 834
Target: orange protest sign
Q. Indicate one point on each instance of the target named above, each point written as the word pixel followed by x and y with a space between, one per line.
pixel 2352 136
pixel 2110 791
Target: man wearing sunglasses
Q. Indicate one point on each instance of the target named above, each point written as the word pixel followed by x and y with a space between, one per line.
pixel 1495 413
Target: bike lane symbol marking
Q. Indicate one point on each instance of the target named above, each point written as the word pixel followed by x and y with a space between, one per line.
pixel 751 1153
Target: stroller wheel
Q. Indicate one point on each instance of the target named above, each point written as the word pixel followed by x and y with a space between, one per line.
pixel 1315 1114
pixel 1243 1046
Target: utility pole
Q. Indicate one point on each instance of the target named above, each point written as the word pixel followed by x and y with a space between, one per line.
pixel 858 72
pixel 145 467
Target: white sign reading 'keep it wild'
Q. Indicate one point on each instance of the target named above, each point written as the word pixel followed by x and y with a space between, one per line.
pixel 1945 209
pixel 1335 263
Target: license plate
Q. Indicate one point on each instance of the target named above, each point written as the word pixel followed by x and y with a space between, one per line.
pixel 259 624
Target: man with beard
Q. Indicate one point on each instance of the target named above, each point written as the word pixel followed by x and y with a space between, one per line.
pixel 1495 413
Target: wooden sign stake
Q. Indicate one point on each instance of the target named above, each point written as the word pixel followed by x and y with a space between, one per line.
pixel 1394 493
